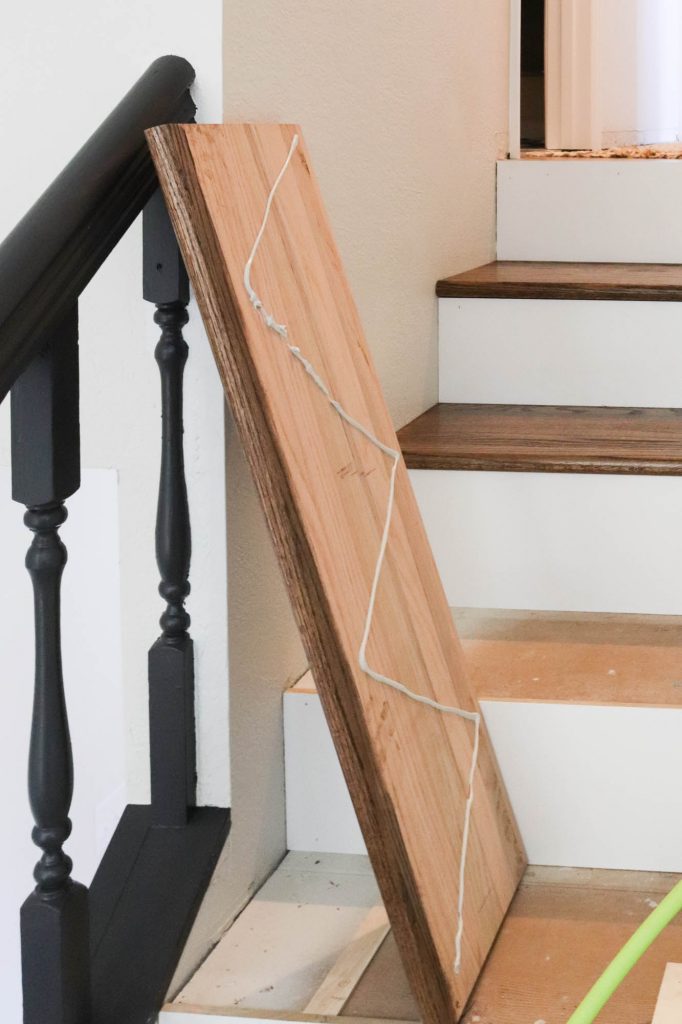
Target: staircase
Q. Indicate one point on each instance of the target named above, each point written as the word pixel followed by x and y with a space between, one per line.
pixel 549 476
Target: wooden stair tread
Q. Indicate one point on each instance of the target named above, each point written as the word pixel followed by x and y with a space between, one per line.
pixel 562 929
pixel 569 658
pixel 522 279
pixel 545 439
pixel 619 660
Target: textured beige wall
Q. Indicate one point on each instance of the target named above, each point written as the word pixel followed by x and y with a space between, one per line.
pixel 403 104
pixel 404 107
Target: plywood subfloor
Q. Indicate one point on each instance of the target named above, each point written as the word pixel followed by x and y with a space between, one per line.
pixel 285 943
pixel 562 929
pixel 324 490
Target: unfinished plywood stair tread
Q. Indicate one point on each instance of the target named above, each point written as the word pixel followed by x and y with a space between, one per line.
pixel 568 658
pixel 574 658
pixel 562 928
pixel 324 490
pixel 520 279
pixel 545 439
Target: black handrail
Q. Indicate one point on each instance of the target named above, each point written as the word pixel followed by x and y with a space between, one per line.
pixel 57 247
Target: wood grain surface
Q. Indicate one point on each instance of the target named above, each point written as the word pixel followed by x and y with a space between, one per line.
pixel 574 658
pixel 564 928
pixel 545 439
pixel 521 279
pixel 561 931
pixel 568 657
pixel 324 491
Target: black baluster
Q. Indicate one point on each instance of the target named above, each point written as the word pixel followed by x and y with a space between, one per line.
pixel 45 471
pixel 171 659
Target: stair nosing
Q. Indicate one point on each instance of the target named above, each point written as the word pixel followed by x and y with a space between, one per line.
pixel 467 285
pixel 630 444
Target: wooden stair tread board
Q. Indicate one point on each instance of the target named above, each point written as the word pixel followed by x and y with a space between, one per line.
pixel 524 279
pixel 545 439
pixel 568 658
pixel 324 493
pixel 559 936
pixel 340 982
pixel 590 658
pixel 563 927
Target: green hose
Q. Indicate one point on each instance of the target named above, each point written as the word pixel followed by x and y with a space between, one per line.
pixel 632 951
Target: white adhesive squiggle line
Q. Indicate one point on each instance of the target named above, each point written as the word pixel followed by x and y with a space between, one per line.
pixel 394 456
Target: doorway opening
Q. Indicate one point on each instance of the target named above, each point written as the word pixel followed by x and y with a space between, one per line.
pixel 532 74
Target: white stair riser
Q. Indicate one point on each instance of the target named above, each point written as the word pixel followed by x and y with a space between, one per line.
pixel 621 211
pixel 320 815
pixel 555 541
pixel 559 352
pixel 590 786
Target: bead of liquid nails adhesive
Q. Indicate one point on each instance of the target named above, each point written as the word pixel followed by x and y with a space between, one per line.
pixel 280 329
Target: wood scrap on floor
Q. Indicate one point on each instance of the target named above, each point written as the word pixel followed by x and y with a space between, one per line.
pixel 337 987
pixel 669 1004
pixel 324 490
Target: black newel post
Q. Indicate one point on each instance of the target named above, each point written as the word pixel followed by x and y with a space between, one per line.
pixel 171 659
pixel 45 471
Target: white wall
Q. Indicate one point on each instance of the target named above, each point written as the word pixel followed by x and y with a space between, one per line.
pixel 640 64
pixel 613 72
pixel 404 107
pixel 62 68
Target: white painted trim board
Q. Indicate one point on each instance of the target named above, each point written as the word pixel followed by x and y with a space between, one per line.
pixel 514 79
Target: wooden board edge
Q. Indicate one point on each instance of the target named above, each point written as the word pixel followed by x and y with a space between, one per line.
pixel 669 1003
pixel 275 1015
pixel 340 982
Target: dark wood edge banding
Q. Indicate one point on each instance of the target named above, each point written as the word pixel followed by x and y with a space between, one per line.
pixel 506 279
